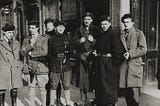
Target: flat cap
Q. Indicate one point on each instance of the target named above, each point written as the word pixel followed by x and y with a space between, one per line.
pixel 104 17
pixel 89 14
pixel 58 22
pixel 49 20
pixel 33 23
pixel 8 27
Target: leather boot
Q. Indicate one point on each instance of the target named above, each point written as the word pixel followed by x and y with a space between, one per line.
pixel 14 97
pixel 58 95
pixel 2 98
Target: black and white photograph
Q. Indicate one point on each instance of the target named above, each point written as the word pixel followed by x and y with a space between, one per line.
pixel 79 52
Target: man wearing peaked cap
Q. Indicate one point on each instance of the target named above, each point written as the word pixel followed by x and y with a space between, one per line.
pixel 84 39
pixel 35 48
pixel 10 65
pixel 33 23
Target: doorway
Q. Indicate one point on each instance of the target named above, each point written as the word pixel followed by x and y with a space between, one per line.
pixel 150 16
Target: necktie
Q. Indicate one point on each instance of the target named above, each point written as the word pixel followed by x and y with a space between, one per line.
pixel 10 43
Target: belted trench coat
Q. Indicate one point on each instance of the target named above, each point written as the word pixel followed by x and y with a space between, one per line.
pixel 131 71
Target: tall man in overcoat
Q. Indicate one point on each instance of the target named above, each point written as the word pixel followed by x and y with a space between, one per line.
pixel 10 65
pixel 109 56
pixel 131 71
pixel 35 50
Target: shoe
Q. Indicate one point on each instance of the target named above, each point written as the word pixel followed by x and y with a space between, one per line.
pixel 52 105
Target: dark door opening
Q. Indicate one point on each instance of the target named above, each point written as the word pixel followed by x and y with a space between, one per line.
pixel 97 7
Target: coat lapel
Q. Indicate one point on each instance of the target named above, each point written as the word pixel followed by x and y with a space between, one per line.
pixel 130 36
pixel 15 47
pixel 37 39
pixel 124 41
pixel 6 45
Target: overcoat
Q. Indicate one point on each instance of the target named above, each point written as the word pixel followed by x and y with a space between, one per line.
pixel 131 71
pixel 10 65
pixel 107 68
pixel 83 50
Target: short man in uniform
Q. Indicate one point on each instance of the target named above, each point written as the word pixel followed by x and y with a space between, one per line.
pixel 59 62
pixel 35 50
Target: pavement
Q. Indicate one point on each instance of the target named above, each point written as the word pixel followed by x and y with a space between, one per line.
pixel 149 97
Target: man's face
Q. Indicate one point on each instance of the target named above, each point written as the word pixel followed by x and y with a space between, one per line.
pixel 128 23
pixel 50 26
pixel 33 29
pixel 87 21
pixel 105 25
pixel 9 34
pixel 60 29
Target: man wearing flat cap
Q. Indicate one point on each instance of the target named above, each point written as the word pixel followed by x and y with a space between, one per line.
pixel 84 40
pixel 10 65
pixel 35 50
pixel 59 62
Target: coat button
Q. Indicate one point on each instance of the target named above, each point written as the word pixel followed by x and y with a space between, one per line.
pixel 17 67
pixel 6 53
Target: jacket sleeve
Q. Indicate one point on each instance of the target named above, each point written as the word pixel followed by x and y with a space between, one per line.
pixel 25 48
pixel 141 48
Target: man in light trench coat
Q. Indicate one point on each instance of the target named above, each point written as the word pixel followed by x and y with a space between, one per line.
pixel 131 70
pixel 10 65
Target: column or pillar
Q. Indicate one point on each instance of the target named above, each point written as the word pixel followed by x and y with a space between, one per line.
pixel 135 12
pixel 124 8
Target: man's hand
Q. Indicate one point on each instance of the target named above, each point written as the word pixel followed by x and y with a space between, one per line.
pixel 126 55
pixel 95 53
pixel 90 38
pixel 83 39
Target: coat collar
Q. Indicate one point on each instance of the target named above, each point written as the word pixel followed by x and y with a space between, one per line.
pixel 6 45
pixel 123 36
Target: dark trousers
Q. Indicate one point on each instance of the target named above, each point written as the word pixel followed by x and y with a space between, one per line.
pixel 105 105
pixel 132 96
pixel 13 94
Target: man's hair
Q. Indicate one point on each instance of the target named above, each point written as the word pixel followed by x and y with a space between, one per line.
pixel 49 20
pixel 125 16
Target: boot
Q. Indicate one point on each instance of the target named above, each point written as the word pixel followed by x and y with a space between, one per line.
pixel 52 97
pixel 58 95
pixel 2 98
pixel 83 94
pixel 14 97
pixel 67 97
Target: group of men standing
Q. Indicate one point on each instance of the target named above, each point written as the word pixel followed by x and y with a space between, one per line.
pixel 114 61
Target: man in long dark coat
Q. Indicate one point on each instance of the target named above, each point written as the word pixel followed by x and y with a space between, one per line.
pixel 109 52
